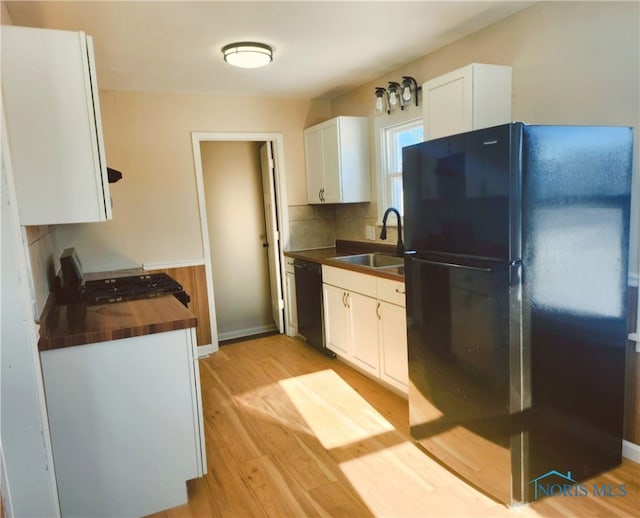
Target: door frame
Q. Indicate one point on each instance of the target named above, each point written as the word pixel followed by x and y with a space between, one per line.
pixel 282 212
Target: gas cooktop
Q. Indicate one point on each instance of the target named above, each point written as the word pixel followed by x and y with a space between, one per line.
pixel 119 289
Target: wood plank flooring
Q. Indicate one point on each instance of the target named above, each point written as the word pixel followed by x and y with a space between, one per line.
pixel 291 433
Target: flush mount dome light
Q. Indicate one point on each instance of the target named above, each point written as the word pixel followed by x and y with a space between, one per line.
pixel 247 54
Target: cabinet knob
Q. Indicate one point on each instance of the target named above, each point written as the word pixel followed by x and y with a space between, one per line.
pixel 378 311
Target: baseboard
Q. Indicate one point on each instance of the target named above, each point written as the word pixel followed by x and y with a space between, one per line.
pixel 205 350
pixel 631 451
pixel 240 333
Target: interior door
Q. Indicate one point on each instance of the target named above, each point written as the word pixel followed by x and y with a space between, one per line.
pixel 273 237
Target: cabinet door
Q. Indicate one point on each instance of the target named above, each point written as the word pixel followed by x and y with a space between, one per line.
pixel 331 162
pixel 337 161
pixel 447 104
pixel 393 345
pixel 52 111
pixel 363 312
pixel 314 164
pixel 336 320
pixel 473 97
pixel 123 423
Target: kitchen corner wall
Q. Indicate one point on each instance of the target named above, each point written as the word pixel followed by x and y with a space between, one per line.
pixel 572 62
pixel 155 206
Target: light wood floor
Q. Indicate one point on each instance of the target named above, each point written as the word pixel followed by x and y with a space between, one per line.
pixel 290 433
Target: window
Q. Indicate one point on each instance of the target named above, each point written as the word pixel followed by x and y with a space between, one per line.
pixel 393 135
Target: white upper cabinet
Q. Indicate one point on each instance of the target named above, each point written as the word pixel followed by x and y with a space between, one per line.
pixel 473 97
pixel 337 161
pixel 50 96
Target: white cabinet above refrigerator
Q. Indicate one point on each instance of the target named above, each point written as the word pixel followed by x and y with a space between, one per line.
pixel 469 98
pixel 52 110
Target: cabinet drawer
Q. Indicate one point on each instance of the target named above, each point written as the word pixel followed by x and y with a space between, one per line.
pixel 348 280
pixel 391 291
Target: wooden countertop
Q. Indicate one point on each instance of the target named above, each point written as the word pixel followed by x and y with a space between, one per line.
pixel 326 255
pixel 78 324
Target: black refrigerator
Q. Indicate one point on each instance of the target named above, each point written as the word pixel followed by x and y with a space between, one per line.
pixel 517 243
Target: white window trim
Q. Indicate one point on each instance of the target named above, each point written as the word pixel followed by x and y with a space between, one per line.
pixel 381 123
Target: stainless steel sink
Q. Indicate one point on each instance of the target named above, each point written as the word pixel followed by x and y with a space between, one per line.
pixel 374 260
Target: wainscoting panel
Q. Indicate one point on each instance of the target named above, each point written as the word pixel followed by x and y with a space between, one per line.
pixel 194 282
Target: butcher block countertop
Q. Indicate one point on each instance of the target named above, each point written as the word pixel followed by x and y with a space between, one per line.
pixel 78 324
pixel 342 248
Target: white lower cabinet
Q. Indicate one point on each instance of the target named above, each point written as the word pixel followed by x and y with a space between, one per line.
pixel 365 323
pixel 364 332
pixel 336 320
pixel 126 423
pixel 393 345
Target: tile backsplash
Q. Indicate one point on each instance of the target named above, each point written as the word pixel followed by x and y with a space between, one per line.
pixel 311 226
pixel 317 226
pixel 43 258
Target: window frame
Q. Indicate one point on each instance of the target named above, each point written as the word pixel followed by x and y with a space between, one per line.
pixel 383 125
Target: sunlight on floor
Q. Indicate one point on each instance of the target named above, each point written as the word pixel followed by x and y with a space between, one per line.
pixel 336 414
pixel 390 474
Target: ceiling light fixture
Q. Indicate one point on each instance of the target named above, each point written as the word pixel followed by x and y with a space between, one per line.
pixel 247 54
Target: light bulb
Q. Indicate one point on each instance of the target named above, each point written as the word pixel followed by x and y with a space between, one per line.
pixel 379 105
pixel 393 99
pixel 406 93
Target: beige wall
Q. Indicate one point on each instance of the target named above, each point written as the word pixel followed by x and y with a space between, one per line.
pixel 5 18
pixel 236 223
pixel 148 137
pixel 573 63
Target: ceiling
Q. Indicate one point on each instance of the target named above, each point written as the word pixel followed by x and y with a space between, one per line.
pixel 321 48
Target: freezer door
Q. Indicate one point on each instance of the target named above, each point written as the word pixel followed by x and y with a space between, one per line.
pixel 461 194
pixel 462 329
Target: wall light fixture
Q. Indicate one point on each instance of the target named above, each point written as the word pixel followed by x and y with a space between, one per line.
pixel 382 100
pixel 397 95
pixel 394 96
pixel 410 89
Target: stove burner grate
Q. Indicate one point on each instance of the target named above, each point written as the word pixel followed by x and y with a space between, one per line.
pixel 119 289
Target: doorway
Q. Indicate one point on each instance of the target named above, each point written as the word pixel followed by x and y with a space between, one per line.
pixel 240 182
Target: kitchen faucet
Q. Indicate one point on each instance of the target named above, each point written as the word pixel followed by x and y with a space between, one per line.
pixel 383 232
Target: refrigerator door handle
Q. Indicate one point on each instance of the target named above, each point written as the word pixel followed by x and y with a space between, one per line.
pixel 453 265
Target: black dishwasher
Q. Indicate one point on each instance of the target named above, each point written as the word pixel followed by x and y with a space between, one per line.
pixel 309 304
